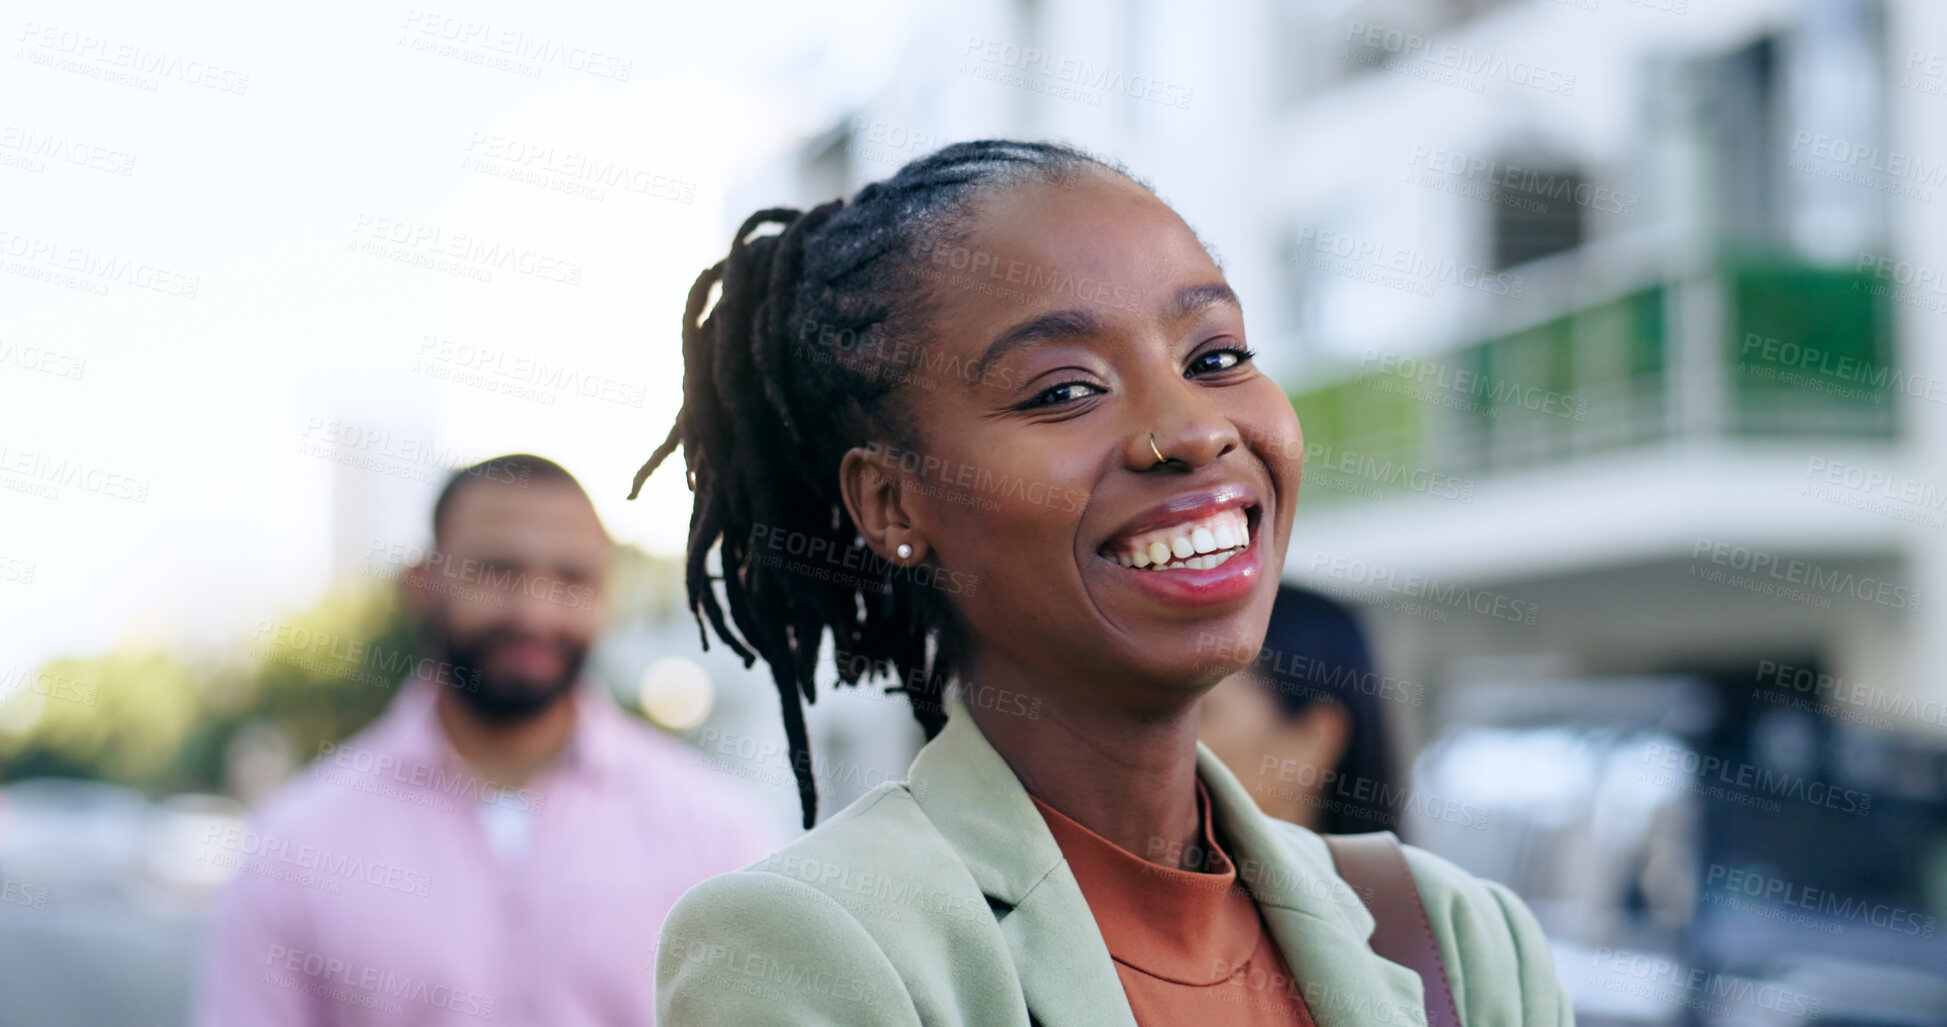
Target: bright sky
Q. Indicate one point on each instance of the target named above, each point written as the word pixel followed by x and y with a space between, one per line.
pixel 191 440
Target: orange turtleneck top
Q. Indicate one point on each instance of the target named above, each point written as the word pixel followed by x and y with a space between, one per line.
pixel 1190 947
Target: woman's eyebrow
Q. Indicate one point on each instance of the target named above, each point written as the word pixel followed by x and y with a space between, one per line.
pixel 1075 322
pixel 1056 324
pixel 1197 298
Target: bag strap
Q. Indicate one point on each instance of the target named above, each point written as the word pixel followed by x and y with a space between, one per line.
pixel 1375 866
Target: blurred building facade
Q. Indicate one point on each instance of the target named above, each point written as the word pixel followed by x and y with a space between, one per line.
pixel 1591 312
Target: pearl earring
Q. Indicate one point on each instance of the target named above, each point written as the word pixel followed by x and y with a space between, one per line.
pixel 905 551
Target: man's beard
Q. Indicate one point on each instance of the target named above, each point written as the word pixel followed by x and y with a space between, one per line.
pixel 500 697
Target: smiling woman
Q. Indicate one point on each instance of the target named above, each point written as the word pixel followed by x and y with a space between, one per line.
pixel 875 399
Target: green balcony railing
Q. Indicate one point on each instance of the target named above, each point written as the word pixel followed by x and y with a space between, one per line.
pixel 1798 351
pixel 1811 353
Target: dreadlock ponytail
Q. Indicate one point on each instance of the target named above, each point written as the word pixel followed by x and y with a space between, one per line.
pixel 785 374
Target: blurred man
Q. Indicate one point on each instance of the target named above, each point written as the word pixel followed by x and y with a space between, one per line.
pixel 503 843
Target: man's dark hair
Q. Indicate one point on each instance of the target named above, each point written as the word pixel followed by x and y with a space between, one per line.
pixel 518 469
pixel 804 355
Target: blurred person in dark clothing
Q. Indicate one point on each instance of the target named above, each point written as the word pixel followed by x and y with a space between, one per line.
pixel 504 842
pixel 1304 725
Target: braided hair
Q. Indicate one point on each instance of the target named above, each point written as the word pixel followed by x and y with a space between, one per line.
pixel 796 363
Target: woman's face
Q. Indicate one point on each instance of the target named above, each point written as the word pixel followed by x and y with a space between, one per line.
pixel 1076 319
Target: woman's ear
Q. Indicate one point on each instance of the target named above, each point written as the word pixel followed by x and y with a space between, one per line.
pixel 869 485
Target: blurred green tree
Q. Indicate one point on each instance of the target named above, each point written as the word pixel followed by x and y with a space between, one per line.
pixel 142 716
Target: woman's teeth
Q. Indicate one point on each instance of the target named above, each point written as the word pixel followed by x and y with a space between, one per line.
pixel 1192 545
pixel 1195 563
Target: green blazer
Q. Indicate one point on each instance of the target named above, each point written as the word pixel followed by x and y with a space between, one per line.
pixel 943 899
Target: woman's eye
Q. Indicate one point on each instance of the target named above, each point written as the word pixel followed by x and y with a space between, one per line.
pixel 1228 359
pixel 1061 391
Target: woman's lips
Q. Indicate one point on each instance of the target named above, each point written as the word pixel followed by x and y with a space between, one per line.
pixel 1229 580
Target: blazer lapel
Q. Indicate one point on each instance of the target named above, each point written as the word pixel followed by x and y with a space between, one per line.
pixel 1067 977
pixel 972 796
pixel 1318 921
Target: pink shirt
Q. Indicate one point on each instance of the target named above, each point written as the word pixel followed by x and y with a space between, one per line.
pixel 371 889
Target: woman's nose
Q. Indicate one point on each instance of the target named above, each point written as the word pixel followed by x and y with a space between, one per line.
pixel 1188 431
